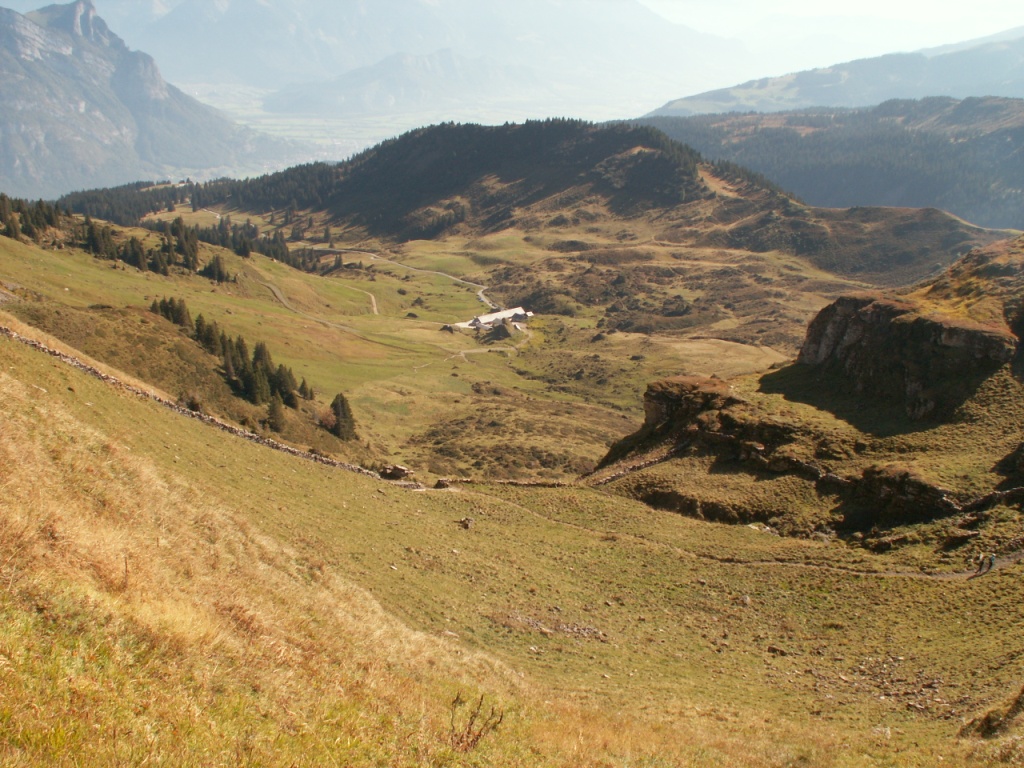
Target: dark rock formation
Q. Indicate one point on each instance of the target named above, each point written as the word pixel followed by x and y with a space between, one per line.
pixel 685 397
pixel 697 414
pixel 895 494
pixel 694 416
pixel 396 472
pixel 888 349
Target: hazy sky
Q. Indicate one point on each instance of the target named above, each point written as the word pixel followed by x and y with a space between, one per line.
pixel 792 34
pixel 827 32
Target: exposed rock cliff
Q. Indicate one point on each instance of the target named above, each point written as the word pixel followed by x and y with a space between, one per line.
pixel 889 349
pixel 800 455
pixel 82 111
pixel 695 417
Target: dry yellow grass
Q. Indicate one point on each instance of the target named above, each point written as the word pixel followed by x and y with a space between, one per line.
pixel 135 603
pixel 148 618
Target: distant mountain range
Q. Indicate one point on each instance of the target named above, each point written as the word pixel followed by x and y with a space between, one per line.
pixel 963 156
pixel 993 66
pixel 82 110
pixel 598 60
pixel 407 83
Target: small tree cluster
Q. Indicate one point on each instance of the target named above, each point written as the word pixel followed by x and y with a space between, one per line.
pixel 178 247
pixel 255 376
pixel 98 240
pixel 339 420
pixel 174 310
pixel 216 270
pixel 20 217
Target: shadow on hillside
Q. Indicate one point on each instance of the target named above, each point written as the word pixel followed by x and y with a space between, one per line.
pixel 831 392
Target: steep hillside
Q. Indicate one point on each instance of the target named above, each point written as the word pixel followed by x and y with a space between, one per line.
pixel 82 110
pixel 994 68
pixel 960 156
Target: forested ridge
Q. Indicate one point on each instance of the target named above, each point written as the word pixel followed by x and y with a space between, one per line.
pixel 384 188
pixel 960 156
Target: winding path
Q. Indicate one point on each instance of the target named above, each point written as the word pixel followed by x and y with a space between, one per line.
pixel 279 295
pixel 481 293
pixel 1001 562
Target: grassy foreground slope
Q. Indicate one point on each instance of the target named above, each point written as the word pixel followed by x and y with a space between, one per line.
pixel 208 601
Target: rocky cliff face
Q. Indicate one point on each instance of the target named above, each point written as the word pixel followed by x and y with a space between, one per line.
pixel 807 463
pixel 83 111
pixel 888 349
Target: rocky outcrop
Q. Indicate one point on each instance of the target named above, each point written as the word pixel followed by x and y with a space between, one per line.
pixel 685 397
pixel 695 416
pixel 888 349
pixel 690 413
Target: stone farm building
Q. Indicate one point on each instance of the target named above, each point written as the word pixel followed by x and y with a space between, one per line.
pixel 517 316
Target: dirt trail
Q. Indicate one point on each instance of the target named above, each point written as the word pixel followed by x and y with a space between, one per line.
pixel 373 299
pixel 1001 562
pixel 283 300
pixel 481 293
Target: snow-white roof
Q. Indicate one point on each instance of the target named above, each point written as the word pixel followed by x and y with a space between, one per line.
pixel 497 317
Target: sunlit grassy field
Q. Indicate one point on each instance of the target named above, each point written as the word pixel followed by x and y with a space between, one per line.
pixel 196 595
pixel 174 595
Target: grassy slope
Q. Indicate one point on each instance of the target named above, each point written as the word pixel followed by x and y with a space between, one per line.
pixel 196 595
pixel 407 381
pixel 647 633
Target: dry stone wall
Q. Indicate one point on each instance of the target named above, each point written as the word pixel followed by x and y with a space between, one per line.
pixel 204 418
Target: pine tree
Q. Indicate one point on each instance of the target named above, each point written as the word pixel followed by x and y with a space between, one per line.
pixel 283 384
pixel 344 424
pixel 275 414
pixel 227 354
pixel 261 359
pixel 257 386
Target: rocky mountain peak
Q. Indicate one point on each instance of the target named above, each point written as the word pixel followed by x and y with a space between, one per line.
pixel 79 20
pixel 81 110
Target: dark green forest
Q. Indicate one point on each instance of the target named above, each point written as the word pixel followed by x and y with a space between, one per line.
pixel 965 157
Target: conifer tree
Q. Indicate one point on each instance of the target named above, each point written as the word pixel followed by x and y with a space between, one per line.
pixel 261 359
pixel 227 354
pixel 344 424
pixel 275 414
pixel 283 384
